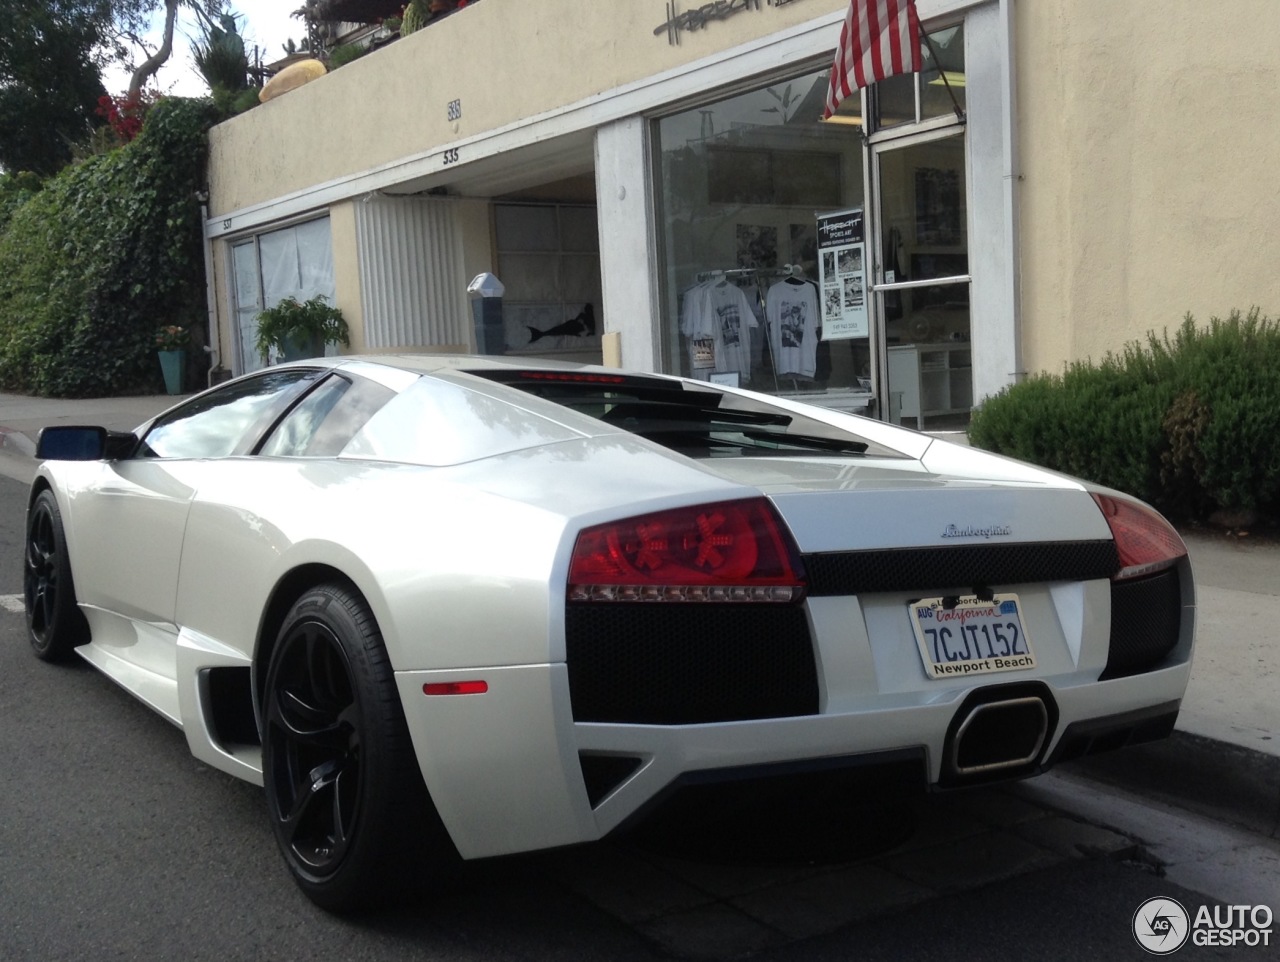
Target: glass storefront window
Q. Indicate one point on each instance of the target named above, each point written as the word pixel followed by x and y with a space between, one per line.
pixel 741 184
pixel 770 245
pixel 946 71
pixel 927 327
pixel 292 262
pixel 910 98
pixel 549 260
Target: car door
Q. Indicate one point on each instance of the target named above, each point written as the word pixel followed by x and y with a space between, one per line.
pixel 239 525
pixel 131 524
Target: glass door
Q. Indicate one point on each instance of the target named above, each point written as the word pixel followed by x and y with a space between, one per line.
pixel 921 278
pixel 292 262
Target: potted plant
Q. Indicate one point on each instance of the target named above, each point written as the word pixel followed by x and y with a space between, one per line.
pixel 171 347
pixel 413 17
pixel 300 330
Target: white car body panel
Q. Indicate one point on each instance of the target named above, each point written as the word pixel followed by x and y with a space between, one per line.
pixel 123 649
pixel 138 512
pixel 464 565
pixel 196 654
pixel 505 760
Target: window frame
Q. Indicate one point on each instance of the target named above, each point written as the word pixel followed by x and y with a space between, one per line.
pixel 357 387
pixel 245 357
pixel 284 401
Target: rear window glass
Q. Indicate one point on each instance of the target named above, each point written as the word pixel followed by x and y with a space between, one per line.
pixel 695 421
pixel 323 423
pixel 437 423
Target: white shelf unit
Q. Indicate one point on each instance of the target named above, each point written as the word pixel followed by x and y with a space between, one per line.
pixel 931 380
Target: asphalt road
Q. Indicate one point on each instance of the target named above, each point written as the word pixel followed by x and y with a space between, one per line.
pixel 115 844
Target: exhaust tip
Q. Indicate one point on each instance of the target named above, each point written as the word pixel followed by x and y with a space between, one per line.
pixel 999 735
pixel 999 732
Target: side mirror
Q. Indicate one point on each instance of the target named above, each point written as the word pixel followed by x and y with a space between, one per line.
pixel 82 443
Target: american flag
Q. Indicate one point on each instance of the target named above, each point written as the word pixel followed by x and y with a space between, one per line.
pixel 880 38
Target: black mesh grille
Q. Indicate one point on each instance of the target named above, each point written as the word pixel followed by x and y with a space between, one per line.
pixel 684 664
pixel 1146 616
pixel 959 566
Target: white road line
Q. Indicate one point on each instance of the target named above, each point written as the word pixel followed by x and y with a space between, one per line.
pixel 12 603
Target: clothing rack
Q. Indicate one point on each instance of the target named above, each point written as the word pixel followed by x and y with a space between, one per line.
pixel 760 275
pixel 757 273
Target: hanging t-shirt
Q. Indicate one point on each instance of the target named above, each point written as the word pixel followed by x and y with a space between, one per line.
pixel 702 349
pixel 718 315
pixel 791 308
pixel 754 294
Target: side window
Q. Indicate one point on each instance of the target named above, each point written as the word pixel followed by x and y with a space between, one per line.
pixel 326 419
pixel 226 421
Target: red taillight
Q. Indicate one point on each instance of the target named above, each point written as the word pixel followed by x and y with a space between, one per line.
pixel 478 687
pixel 1146 542
pixel 732 551
pixel 573 377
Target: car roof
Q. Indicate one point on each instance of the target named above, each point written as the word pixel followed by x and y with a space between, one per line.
pixel 430 363
pixel 466 365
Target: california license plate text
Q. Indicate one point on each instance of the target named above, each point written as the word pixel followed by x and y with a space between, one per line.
pixel 970 636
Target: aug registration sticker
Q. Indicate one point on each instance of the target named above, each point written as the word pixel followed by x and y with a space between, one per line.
pixel 970 636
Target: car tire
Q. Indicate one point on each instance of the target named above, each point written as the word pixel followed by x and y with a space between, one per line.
pixel 55 624
pixel 344 791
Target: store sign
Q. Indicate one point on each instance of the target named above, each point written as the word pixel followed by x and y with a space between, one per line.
pixel 695 18
pixel 842 274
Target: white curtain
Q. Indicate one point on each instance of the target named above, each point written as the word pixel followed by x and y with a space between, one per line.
pixel 248 297
pixel 292 262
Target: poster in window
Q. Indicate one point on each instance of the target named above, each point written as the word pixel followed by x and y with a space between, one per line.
pixel 542 327
pixel 842 274
pixel 937 207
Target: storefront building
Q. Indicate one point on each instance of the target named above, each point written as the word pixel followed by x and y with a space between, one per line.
pixel 652 183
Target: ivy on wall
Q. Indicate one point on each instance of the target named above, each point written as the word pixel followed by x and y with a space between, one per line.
pixel 109 250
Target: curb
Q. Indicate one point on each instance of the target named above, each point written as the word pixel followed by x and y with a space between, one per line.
pixel 1222 781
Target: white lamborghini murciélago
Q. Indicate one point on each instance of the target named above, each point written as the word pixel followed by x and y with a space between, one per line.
pixel 445 606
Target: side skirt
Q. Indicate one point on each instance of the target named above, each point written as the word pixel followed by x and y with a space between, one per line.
pixel 198 657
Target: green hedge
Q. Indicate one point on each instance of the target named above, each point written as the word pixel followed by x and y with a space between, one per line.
pixel 16 190
pixel 106 253
pixel 1190 423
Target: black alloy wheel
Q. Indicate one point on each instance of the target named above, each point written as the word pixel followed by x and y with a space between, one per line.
pixel 347 802
pixel 55 625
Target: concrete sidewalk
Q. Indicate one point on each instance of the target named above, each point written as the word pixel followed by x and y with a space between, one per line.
pixel 1233 697
pixel 21 419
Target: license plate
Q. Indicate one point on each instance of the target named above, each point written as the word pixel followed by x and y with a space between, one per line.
pixel 968 636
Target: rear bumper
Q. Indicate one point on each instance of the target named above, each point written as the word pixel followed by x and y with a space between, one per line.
pixel 511 771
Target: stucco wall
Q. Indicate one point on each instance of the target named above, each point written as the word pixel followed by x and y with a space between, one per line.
pixel 1149 148
pixel 1145 138
pixel 346 273
pixel 507 60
